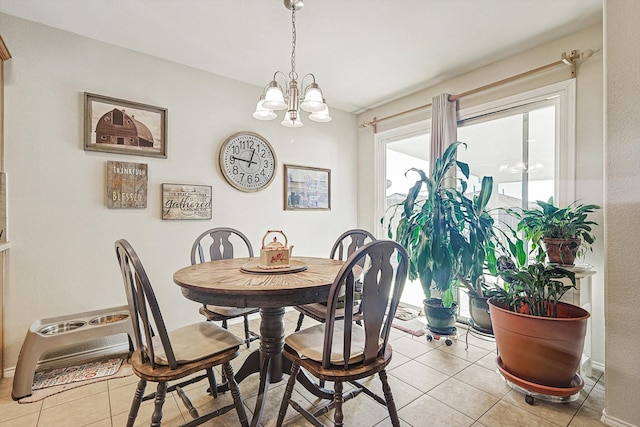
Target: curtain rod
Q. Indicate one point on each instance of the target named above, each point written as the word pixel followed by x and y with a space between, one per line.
pixel 569 60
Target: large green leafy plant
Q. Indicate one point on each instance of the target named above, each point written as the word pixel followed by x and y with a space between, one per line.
pixel 550 221
pixel 448 236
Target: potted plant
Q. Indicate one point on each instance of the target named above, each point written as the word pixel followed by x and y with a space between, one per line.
pixel 562 230
pixel 448 236
pixel 539 338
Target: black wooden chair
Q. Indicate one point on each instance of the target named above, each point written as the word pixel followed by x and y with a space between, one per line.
pixel 345 245
pixel 341 350
pixel 223 243
pixel 161 356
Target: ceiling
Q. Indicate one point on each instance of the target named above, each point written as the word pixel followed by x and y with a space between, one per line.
pixel 362 52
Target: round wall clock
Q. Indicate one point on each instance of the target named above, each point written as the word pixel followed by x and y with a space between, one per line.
pixel 247 161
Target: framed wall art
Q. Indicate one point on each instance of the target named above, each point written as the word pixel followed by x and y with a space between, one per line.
pixel 124 127
pixel 307 188
pixel 185 201
pixel 126 185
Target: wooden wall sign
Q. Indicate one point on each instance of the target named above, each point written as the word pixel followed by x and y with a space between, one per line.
pixel 126 185
pixel 183 201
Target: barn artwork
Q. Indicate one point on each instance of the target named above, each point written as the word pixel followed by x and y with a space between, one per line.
pixel 119 126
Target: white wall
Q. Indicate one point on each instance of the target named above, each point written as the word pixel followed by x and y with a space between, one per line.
pixel 61 258
pixel 589 125
pixel 622 222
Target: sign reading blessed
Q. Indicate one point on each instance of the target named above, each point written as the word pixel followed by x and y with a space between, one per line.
pixel 126 185
pixel 182 201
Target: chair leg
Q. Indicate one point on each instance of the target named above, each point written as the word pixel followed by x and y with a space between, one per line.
pixel 287 393
pixel 247 335
pixel 338 416
pixel 388 397
pixel 161 393
pixel 137 400
pixel 224 324
pixel 213 385
pixel 235 393
pixel 300 319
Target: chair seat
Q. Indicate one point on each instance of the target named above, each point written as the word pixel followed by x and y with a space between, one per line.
pixel 308 343
pixel 318 311
pixel 338 373
pixel 220 312
pixel 195 342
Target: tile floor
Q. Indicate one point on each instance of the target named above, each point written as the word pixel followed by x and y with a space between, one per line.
pixel 432 384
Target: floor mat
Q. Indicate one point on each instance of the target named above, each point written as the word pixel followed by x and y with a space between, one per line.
pixel 76 376
pixel 415 327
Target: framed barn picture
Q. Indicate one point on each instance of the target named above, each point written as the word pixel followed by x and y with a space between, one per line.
pixel 124 127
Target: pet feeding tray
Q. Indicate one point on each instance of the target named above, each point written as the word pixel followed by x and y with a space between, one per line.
pixel 108 318
pixel 58 328
pixel 46 334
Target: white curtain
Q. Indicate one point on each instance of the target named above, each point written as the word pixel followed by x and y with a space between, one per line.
pixel 444 128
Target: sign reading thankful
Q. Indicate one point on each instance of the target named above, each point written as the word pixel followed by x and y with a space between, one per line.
pixel 182 201
pixel 126 185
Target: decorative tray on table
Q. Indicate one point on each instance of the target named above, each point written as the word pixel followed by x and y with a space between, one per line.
pixel 254 268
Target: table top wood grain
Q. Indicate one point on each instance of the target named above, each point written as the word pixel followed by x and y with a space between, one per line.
pixel 223 283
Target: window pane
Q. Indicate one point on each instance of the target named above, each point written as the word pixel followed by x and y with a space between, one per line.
pixel 401 156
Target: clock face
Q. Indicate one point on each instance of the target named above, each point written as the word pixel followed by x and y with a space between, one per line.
pixel 247 161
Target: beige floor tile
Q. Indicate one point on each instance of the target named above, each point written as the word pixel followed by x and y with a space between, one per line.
pixel 397 359
pixel 171 415
pixel 409 347
pixel 560 413
pixel 428 411
pixel 418 375
pixel 442 361
pixel 595 399
pixel 471 354
pixel 101 423
pixel 387 422
pixel 78 412
pixel 75 393
pixel 10 409
pixel 464 398
pixel 30 420
pixel 587 417
pixel 488 361
pixel 504 414
pixel 484 379
pixel 403 393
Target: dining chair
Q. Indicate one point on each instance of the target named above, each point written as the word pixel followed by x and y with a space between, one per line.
pixel 223 243
pixel 345 245
pixel 161 356
pixel 341 350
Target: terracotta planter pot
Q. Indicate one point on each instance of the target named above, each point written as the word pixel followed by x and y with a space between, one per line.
pixel 561 251
pixel 540 350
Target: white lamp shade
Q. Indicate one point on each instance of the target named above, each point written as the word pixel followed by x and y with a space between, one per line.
pixel 263 113
pixel 274 99
pixel 291 120
pixel 321 116
pixel 313 101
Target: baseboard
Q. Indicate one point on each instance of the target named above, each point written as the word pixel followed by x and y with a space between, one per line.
pixel 76 358
pixel 597 366
pixel 614 422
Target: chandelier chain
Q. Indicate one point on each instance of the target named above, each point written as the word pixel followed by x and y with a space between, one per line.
pixel 293 75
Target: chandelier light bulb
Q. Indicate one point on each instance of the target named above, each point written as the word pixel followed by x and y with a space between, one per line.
pixel 313 101
pixel 321 116
pixel 273 98
pixel 263 113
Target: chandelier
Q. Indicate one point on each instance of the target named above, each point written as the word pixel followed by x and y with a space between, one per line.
pixel 274 97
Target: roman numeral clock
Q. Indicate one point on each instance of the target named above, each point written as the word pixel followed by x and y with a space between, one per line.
pixel 247 161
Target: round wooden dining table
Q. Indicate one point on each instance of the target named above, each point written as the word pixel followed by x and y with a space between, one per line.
pixel 237 283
